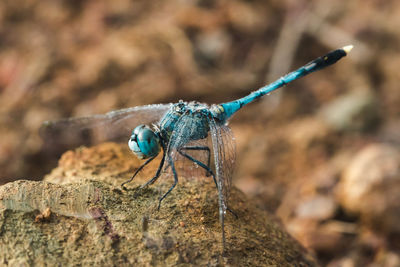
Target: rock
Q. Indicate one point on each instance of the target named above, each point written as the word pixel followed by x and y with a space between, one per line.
pixel 321 237
pixel 80 216
pixel 356 111
pixel 316 207
pixel 370 187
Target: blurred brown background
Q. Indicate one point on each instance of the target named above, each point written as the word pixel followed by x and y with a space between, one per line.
pixel 323 153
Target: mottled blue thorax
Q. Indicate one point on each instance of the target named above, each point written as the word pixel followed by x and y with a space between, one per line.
pixel 193 116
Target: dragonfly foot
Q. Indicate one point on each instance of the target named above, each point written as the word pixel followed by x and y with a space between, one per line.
pixel 232 212
pixel 123 184
pixel 159 205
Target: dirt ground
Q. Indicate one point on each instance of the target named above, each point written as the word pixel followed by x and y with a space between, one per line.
pixel 322 153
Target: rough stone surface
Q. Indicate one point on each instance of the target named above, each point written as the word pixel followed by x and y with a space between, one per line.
pixel 370 185
pixel 79 215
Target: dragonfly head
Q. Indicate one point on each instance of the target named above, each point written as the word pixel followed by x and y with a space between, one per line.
pixel 144 142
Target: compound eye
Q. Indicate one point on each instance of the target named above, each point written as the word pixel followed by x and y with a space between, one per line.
pixel 144 142
pixel 133 144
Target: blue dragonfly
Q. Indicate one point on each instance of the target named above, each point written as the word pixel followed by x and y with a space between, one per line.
pixel 177 130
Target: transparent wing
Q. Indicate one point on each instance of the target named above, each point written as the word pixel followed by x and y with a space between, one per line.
pixel 224 150
pixel 184 140
pixel 187 130
pixel 224 157
pixel 113 126
pixel 220 140
pixel 184 129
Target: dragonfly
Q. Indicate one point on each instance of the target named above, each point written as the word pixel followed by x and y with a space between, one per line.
pixel 177 129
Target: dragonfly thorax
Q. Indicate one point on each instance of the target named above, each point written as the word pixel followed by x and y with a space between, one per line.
pixel 144 142
pixel 190 120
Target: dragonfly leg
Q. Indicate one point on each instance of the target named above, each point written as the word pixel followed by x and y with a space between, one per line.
pixel 171 163
pixel 137 171
pixel 232 212
pixel 201 164
pixel 205 148
pixel 157 175
pixel 207 168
